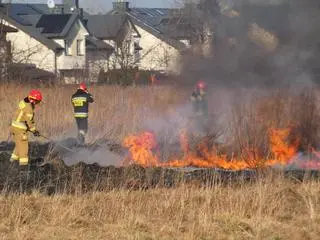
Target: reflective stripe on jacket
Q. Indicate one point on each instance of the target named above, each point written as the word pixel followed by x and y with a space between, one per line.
pixel 24 117
pixel 80 101
pixel 19 125
pixel 80 115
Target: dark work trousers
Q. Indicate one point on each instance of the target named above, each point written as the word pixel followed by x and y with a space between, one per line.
pixel 82 124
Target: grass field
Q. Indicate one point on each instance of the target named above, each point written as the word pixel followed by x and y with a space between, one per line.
pixel 116 111
pixel 271 208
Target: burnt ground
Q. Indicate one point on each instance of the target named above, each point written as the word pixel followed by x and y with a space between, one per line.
pixel 57 177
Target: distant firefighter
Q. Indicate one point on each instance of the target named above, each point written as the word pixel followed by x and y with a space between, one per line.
pixel 80 101
pixel 200 107
pixel 153 78
pixel 23 123
pixel 199 99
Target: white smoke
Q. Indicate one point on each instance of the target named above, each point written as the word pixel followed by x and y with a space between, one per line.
pixel 71 153
pixel 101 156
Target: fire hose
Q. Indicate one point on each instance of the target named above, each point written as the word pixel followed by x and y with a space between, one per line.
pixel 58 144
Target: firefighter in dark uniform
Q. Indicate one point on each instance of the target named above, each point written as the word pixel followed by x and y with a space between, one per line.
pixel 200 107
pixel 80 101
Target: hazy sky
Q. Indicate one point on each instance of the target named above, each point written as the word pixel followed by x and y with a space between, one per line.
pixel 107 4
pixel 104 5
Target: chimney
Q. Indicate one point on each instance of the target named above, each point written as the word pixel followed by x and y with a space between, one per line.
pixel 69 5
pixel 77 4
pixel 120 6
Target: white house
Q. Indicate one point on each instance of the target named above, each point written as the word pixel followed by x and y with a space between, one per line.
pixel 70 44
pixel 120 35
pixel 161 50
pixel 150 47
pixel 52 41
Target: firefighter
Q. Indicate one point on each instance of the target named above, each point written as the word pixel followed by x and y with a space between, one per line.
pixel 200 106
pixel 153 78
pixel 199 99
pixel 23 123
pixel 80 101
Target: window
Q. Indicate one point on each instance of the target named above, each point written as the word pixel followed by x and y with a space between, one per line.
pixel 128 47
pixel 137 50
pixel 80 47
pixel 67 48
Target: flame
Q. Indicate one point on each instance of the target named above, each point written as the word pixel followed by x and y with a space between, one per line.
pixel 142 149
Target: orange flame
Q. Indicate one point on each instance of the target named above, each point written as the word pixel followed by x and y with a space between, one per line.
pixel 142 147
pixel 283 153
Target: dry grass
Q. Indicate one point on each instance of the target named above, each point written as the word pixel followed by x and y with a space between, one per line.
pixel 116 112
pixel 119 111
pixel 272 208
pixel 269 209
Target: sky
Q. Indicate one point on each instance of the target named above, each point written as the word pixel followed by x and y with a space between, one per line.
pixel 105 5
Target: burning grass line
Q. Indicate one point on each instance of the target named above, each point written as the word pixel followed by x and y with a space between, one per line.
pixel 142 147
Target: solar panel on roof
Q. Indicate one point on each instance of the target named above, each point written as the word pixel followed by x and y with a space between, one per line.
pixel 53 23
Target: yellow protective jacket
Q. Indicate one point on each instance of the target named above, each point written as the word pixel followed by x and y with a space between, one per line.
pixel 24 117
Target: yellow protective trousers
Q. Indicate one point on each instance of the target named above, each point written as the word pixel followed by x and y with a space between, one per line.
pixel 20 152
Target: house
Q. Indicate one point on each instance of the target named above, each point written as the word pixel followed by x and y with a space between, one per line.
pixel 160 50
pixel 5 50
pixel 152 44
pixel 74 45
pixel 120 35
pixel 54 40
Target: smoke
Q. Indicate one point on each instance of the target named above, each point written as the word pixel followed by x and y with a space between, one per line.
pixel 73 154
pixel 170 123
pixel 240 59
pixel 101 156
pixel 167 127
pixel 301 161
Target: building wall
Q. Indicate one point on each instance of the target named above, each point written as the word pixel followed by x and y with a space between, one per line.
pixel 107 60
pixel 97 60
pixel 28 50
pixel 5 57
pixel 73 61
pixel 123 54
pixel 157 55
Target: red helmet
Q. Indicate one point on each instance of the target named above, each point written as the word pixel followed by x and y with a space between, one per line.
pixel 201 84
pixel 35 95
pixel 83 86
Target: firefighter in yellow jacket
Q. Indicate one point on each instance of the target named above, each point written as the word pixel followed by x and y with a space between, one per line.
pixel 23 123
